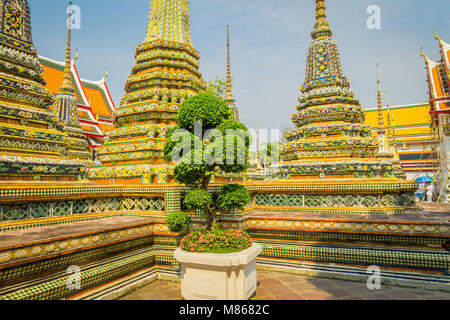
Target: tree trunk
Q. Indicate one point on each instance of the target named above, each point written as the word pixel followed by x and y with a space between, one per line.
pixel 209 213
pixel 209 219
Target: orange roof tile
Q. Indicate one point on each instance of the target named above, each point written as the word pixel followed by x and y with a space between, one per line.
pixel 99 105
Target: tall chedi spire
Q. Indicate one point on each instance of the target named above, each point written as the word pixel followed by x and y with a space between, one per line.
pixel 389 121
pixel 381 128
pixel 229 99
pixel 66 107
pixel 398 170
pixel 164 75
pixel 331 154
pixel 67 86
pixel 384 148
pixel 32 147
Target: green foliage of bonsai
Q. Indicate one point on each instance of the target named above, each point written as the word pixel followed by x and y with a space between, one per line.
pixel 178 221
pixel 198 199
pixel 222 147
pixel 233 196
pixel 205 108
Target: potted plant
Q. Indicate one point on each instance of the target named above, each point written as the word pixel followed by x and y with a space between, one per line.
pixel 206 141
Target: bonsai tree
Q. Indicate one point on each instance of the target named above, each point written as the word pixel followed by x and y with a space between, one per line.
pixel 206 142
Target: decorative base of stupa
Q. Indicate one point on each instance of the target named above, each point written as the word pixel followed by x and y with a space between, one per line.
pixel 410 249
pixel 138 174
pixel 335 196
pixel 28 168
pixel 46 229
pixel 148 174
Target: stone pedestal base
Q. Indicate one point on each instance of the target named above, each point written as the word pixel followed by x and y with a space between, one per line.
pixel 218 276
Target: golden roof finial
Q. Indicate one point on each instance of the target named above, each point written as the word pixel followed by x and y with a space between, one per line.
pixel 106 74
pixel 423 55
pixel 380 102
pixel 76 56
pixel 229 90
pixel 437 38
pixel 67 86
pixel 321 28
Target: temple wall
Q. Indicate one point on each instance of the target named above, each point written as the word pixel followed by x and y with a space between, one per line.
pixel 128 233
pixel 35 203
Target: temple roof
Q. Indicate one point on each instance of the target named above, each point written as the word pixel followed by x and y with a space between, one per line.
pixel 93 97
pixel 438 73
pixel 413 134
pixel 412 122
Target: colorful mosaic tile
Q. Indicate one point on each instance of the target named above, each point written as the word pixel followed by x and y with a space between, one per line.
pixel 366 256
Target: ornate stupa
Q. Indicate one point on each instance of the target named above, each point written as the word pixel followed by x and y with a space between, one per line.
pixel 32 147
pixel 164 75
pixel 65 110
pixel 331 145
pixel 255 169
pixel 229 99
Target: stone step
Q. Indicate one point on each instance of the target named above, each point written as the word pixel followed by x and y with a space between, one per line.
pixel 432 261
pixel 64 283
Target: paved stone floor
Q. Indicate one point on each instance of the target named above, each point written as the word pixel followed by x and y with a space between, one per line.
pixel 435 207
pixel 14 238
pixel 281 286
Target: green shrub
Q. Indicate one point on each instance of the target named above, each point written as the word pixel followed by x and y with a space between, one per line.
pixel 178 222
pixel 204 107
pixel 202 155
pixel 189 174
pixel 233 196
pixel 216 241
pixel 198 199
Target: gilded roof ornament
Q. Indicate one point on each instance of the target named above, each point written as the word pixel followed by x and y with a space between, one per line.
pixel 423 55
pixel 106 74
pixel 76 56
pixel 437 38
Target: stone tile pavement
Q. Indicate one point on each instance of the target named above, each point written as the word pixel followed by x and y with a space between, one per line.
pixel 282 286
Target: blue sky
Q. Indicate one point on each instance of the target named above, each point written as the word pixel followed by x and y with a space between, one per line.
pixel 269 40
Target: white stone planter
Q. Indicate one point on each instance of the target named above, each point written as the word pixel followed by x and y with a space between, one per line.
pixel 207 276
